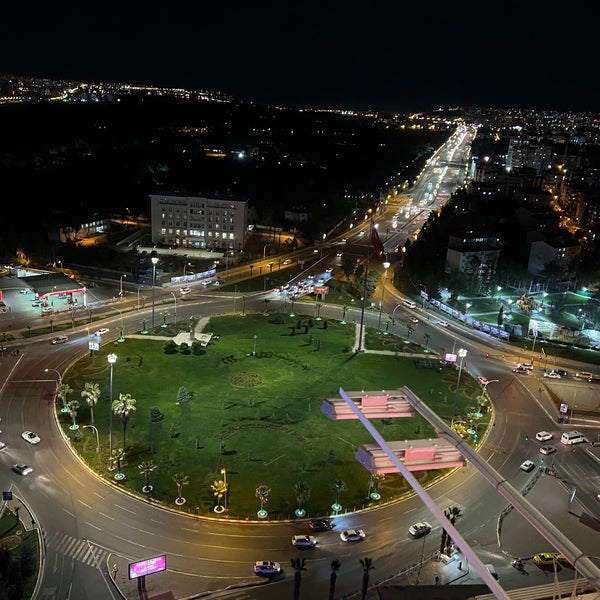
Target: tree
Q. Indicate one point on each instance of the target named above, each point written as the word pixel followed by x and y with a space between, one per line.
pixel 427 337
pixel 91 394
pixel 146 468
pixel 183 395
pixel 501 316
pixel 338 487
pixel 73 405
pixel 117 456
pixel 262 493
pixel 452 514
pixel 123 407
pixel 298 566
pixel 62 391
pixel 335 567
pixel 367 565
pixel 302 490
pixel 219 488
pixel 180 480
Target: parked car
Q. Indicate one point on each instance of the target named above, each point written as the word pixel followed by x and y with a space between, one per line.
pixel 30 437
pixel 61 339
pixel 543 436
pixel 527 466
pixel 547 449
pixel 321 524
pixel 419 529
pixel 304 541
pixel 352 535
pixel 266 567
pixel 22 469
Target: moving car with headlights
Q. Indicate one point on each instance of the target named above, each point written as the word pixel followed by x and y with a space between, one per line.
pixel 266 567
pixel 552 375
pixel 61 339
pixel 547 449
pixel 419 529
pixel 352 535
pixel 543 436
pixel 320 525
pixel 101 331
pixel 547 558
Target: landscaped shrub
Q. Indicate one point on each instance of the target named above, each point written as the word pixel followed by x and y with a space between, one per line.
pixel 156 415
pixel 183 395
pixel 184 348
pixel 170 347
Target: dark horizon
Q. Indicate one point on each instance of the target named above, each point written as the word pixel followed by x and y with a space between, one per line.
pixel 395 60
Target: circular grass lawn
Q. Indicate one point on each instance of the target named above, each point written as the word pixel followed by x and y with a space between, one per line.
pixel 237 424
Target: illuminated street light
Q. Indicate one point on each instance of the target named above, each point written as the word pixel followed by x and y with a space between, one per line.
pixel 112 359
pixel 462 353
pixel 175 299
pixel 224 473
pixel 386 266
pixel 121 285
pixel 97 438
pixel 154 261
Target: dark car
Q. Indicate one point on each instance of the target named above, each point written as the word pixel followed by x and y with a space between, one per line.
pixel 562 372
pixel 320 525
pixel 521 370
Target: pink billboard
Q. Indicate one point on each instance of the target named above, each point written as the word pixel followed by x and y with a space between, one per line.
pixel 147 566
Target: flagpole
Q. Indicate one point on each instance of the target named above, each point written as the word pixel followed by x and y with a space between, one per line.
pixel 359 348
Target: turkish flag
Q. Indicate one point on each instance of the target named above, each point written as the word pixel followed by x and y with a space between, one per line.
pixel 377 244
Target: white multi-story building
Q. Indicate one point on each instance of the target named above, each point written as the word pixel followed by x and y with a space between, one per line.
pixel 199 221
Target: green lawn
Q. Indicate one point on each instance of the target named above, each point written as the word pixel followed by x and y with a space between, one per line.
pixel 257 417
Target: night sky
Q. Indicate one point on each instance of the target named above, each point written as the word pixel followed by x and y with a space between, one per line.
pixel 362 56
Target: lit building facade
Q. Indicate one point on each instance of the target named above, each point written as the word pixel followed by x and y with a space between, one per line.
pixel 202 221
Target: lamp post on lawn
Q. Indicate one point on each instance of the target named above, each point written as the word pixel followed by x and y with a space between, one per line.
pixel 154 261
pixel 112 359
pixel 97 438
pixel 58 383
pixel 254 349
pixel 121 285
pixel 175 299
pixel 224 473
pixel 386 266
pixel 462 353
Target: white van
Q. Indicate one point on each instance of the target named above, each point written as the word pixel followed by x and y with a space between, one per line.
pixel 409 304
pixel 572 437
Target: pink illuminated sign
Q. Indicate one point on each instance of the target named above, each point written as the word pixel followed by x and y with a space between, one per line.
pixel 147 566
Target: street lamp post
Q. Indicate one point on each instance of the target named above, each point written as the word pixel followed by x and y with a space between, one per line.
pixel 97 438
pixel 154 261
pixel 175 299
pixel 254 349
pixel 121 285
pixel 59 382
pixel 462 353
pixel 386 266
pixel 112 359
pixel 488 383
pixel 224 473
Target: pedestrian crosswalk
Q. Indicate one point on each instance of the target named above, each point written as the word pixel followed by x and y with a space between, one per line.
pixel 83 551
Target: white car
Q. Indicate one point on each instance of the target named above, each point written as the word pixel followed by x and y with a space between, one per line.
pixel 30 437
pixel 543 436
pixel 61 339
pixel 552 375
pixel 527 466
pixel 2 445
pixel 101 331
pixel 352 535
pixel 185 290
pixel 419 529
pixel 413 320
pixel 266 567
pixel 304 541
pixel 547 449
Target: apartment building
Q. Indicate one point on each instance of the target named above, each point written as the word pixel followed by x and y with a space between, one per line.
pixel 200 221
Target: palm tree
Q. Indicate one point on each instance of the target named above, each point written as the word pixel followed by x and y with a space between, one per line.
pixel 73 405
pixel 298 566
pixel 117 456
pixel 453 513
pixel 180 480
pixel 146 468
pixel 335 566
pixel 62 391
pixel 427 337
pixel 91 394
pixel 302 490
pixel 123 407
pixel 262 493
pixel 367 565
pixel 339 486
pixel 219 488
